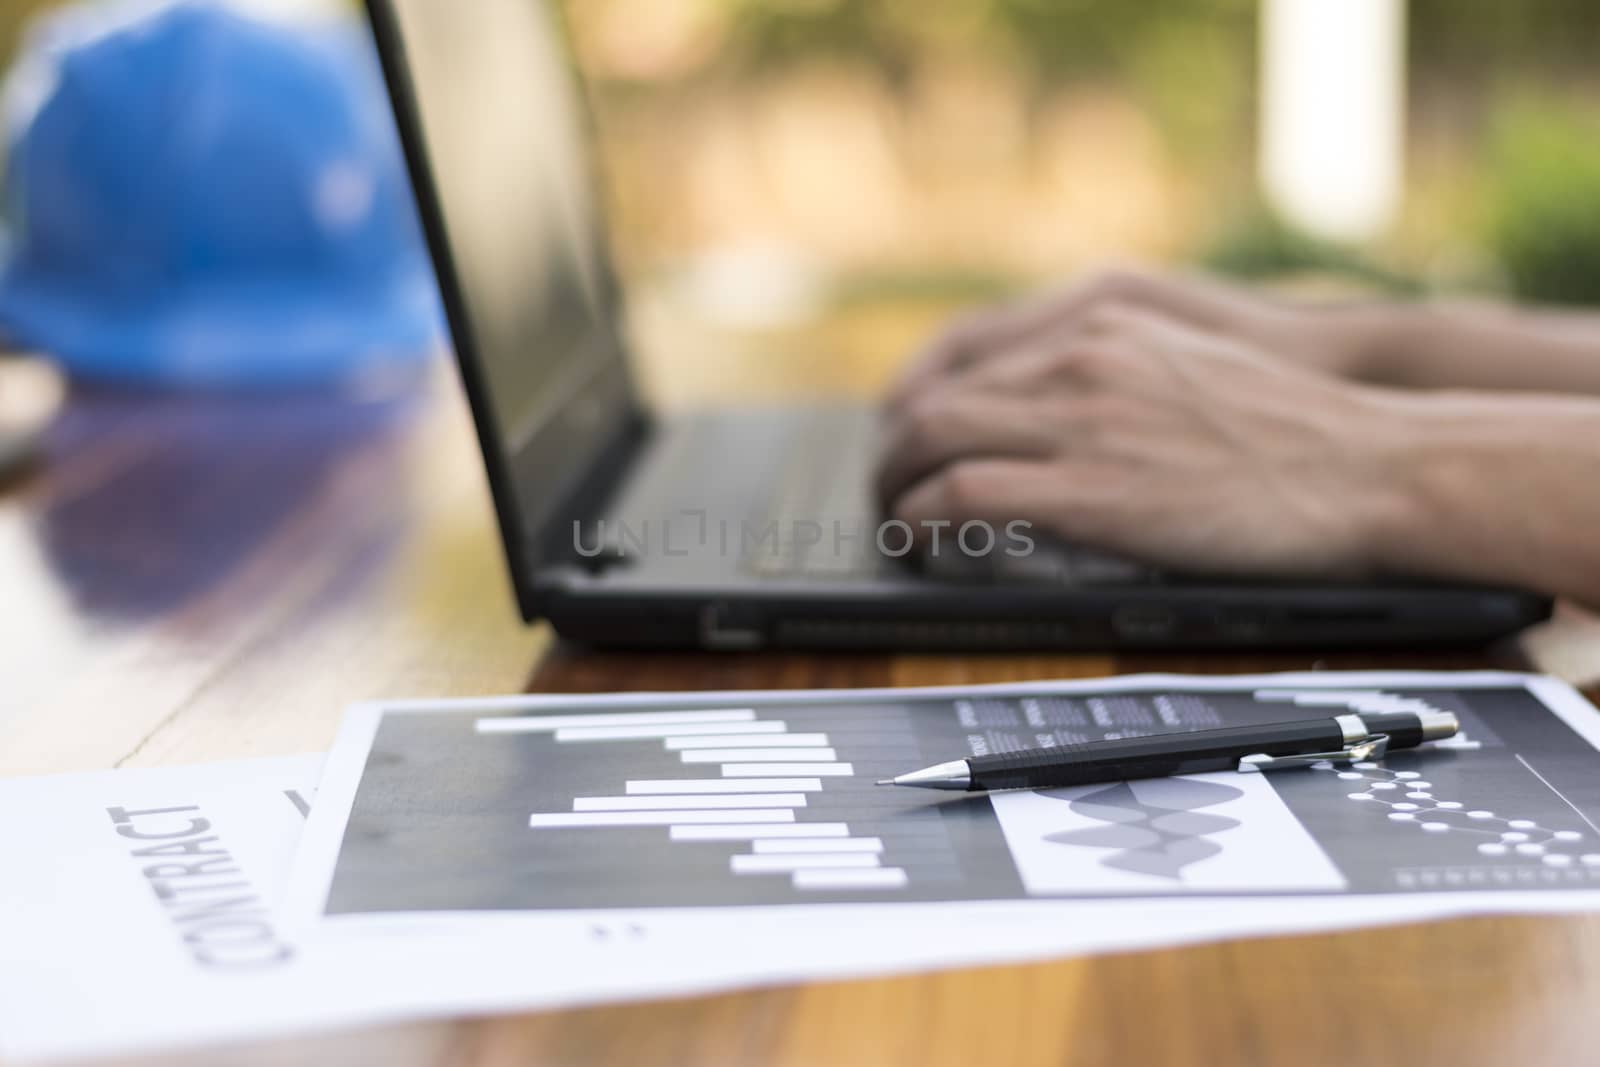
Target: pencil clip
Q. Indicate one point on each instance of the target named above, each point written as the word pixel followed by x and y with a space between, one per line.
pixel 1373 748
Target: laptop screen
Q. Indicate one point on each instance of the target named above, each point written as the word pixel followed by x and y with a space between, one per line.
pixel 496 134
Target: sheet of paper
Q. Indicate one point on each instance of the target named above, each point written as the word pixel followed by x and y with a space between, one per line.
pixel 139 911
pixel 541 805
pixel 125 888
pixel 648 820
pixel 144 909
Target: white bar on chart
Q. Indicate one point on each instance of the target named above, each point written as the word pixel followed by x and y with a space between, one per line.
pixel 565 819
pixel 750 755
pixel 645 786
pixel 726 740
pixel 729 832
pixel 801 844
pixel 682 729
pixel 1317 698
pixel 1387 703
pixel 836 878
pixel 756 770
pixel 525 724
pixel 795 861
pixel 725 800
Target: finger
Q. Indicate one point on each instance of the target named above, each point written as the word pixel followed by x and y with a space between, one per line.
pixel 978 335
pixel 972 341
pixel 951 349
pixel 1067 363
pixel 1000 363
pixel 997 491
pixel 948 426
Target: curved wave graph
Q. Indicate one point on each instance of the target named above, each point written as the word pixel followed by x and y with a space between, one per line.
pixel 1206 833
pixel 1158 831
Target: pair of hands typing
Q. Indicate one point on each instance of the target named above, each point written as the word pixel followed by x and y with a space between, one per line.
pixel 1191 424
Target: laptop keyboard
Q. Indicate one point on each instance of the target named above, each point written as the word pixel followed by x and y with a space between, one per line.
pixel 823 522
pixel 821 514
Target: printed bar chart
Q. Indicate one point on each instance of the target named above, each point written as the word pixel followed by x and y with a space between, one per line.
pixel 773 804
pixel 749 802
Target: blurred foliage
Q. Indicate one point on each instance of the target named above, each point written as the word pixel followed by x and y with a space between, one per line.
pixel 768 35
pixel 1259 245
pixel 1162 50
pixel 1529 169
pixel 943 285
pixel 1062 40
pixel 1542 199
pixel 14 14
pixel 1191 64
pixel 14 17
pixel 1077 38
pixel 1475 46
pixel 1055 39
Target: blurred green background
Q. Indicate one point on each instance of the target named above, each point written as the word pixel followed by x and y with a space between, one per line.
pixel 969 146
pixel 975 142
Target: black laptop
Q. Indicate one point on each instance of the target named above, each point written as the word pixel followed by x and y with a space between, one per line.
pixel 745 528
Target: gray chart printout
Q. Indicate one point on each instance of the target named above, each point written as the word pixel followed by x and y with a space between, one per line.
pixel 771 802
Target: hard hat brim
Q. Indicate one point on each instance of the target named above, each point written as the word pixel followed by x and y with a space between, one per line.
pixel 264 334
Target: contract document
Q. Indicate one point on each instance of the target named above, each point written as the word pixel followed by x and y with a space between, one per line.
pixel 493 855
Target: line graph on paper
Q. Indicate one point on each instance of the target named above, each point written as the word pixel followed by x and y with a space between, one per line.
pixel 1471 829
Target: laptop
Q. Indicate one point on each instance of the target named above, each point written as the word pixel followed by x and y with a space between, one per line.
pixel 742 528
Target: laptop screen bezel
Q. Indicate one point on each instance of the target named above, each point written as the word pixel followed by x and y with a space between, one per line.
pixel 537 490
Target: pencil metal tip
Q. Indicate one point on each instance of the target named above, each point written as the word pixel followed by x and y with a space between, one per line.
pixel 885 781
pixel 953 775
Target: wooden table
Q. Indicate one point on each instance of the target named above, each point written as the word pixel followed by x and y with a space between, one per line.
pixel 186 580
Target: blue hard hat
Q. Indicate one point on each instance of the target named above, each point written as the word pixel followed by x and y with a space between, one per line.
pixel 197 197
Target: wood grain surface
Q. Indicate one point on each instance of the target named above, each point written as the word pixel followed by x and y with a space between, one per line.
pixel 194 579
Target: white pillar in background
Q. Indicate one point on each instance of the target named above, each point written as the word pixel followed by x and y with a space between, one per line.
pixel 1332 113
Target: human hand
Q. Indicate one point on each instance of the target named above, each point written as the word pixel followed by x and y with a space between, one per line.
pixel 1140 435
pixel 1335 339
